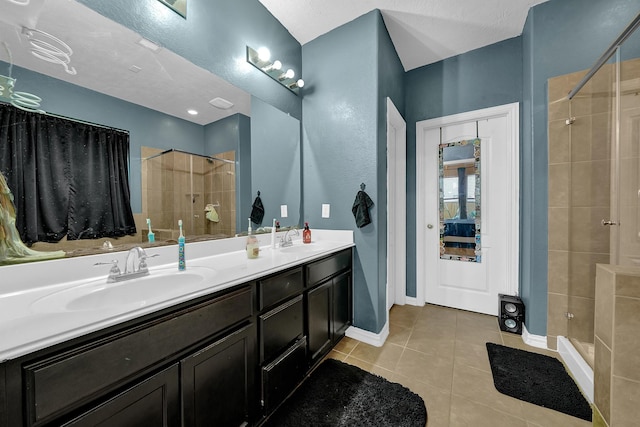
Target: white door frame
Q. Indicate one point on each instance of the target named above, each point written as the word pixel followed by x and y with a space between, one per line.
pixel 512 113
pixel 396 206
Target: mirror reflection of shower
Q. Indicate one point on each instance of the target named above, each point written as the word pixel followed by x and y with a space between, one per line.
pixel 200 190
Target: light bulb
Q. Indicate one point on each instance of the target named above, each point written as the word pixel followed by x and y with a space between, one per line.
pixel 263 54
pixel 277 65
pixel 300 83
pixel 297 84
pixel 289 74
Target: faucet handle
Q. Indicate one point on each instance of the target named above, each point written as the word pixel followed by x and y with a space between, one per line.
pixel 143 259
pixel 115 270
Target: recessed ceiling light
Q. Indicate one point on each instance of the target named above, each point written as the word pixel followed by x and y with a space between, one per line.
pixel 221 103
pixel 192 112
pixel 149 44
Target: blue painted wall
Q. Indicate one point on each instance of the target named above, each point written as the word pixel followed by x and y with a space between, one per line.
pixel 482 78
pixel 215 36
pixel 559 37
pixel 275 172
pixel 342 141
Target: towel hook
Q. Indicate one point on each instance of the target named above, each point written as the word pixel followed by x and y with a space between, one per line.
pixel 258 192
pixel 362 186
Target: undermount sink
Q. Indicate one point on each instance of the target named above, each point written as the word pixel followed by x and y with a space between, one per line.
pixel 129 294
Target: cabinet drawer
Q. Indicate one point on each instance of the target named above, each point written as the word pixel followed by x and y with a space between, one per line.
pixel 281 376
pixel 280 327
pixel 320 270
pixel 278 288
pixel 104 365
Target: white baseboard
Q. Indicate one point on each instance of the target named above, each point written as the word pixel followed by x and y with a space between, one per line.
pixel 413 301
pixel 368 337
pixel 539 341
pixel 581 371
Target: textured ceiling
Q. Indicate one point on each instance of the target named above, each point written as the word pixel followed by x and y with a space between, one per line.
pixel 422 31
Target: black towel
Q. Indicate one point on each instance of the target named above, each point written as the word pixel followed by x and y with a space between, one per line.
pixel 360 209
pixel 257 211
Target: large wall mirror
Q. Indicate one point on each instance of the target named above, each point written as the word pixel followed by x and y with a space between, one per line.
pixel 459 165
pixel 86 67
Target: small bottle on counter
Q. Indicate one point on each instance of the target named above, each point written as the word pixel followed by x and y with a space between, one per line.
pixel 306 233
pixel 253 247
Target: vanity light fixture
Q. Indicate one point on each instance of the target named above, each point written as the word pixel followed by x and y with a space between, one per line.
pixel 261 59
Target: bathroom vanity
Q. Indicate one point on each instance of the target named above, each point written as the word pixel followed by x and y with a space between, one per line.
pixel 226 354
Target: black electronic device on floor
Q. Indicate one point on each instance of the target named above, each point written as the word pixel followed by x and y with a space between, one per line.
pixel 511 314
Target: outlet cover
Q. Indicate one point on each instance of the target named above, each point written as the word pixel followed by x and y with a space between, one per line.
pixel 283 211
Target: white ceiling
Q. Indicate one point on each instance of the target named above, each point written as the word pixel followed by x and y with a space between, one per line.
pixel 422 31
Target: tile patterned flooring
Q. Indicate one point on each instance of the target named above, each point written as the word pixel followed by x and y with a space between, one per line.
pixel 440 354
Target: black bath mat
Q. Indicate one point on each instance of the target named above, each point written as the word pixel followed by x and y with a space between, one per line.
pixel 536 378
pixel 337 394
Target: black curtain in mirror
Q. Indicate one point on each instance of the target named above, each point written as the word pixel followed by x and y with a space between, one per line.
pixel 68 178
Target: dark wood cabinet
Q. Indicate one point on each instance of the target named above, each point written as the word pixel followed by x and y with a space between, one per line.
pixel 329 303
pixel 228 359
pixel 154 402
pixel 342 303
pixel 319 321
pixel 217 381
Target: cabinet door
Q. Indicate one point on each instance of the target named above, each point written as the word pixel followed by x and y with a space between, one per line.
pixel 218 381
pixel 319 320
pixel 342 305
pixel 154 402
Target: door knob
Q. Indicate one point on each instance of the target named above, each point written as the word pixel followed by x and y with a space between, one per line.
pixel 603 222
pixel 429 226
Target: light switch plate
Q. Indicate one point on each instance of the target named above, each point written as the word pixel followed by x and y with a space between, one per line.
pixel 283 211
pixel 326 210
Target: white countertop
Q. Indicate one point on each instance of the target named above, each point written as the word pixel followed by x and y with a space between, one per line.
pixel 31 318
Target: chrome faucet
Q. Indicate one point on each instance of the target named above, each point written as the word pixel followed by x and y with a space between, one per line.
pixel 286 239
pixel 135 266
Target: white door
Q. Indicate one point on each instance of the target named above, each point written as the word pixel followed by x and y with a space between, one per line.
pixel 467 285
pixel 396 206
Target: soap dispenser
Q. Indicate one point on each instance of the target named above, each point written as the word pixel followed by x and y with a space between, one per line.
pixel 306 233
pixel 253 248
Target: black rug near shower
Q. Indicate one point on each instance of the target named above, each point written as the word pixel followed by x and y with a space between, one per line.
pixel 538 379
pixel 338 394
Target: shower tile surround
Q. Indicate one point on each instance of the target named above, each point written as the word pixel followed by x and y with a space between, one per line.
pixel 617 345
pixel 579 197
pixel 166 188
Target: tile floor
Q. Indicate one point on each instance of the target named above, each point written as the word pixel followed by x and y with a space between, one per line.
pixel 440 354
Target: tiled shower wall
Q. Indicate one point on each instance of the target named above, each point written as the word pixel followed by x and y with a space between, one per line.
pixel 179 186
pixel 579 198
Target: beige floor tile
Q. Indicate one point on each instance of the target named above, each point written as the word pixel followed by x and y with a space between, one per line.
pixel 474 355
pixel 386 356
pixel 440 354
pixel 476 385
pixel 466 413
pixel 434 370
pixel 437 402
pixel 345 345
pixel 429 344
pixel 398 334
pixel 479 336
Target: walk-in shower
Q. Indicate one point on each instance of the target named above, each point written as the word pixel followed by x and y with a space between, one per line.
pixel 594 185
pixel 199 190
